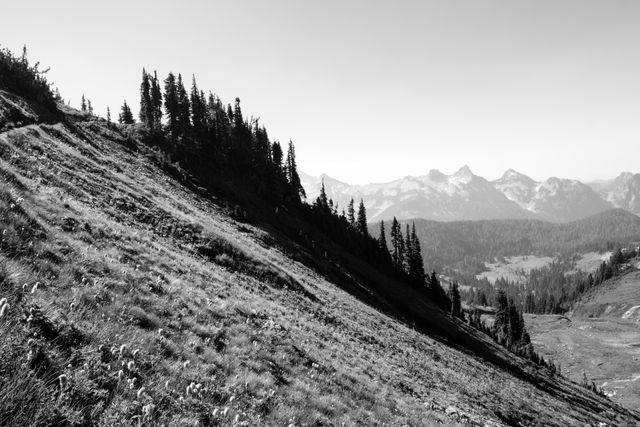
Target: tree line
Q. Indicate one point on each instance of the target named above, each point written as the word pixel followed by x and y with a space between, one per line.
pixel 222 148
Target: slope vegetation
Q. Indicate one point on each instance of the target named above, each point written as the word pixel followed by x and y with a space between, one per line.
pixel 130 296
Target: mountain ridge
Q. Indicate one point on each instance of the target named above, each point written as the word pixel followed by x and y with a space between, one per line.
pixel 463 195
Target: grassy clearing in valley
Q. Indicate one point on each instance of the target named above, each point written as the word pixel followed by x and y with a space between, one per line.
pixel 514 268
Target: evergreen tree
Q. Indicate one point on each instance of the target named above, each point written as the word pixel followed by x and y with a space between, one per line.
pixel 501 323
pixel 108 115
pixel 171 105
pixel 156 103
pixel 515 323
pixel 237 114
pixel 434 283
pixel 322 202
pixel 482 299
pixel 417 263
pixel 382 240
pixel 145 115
pixel 126 117
pixel 291 170
pixel 184 108
pixel 402 251
pixel 198 109
pixel 351 213
pixel 396 237
pixel 409 256
pixel 362 219
pixel 456 305
pixel 83 104
pixel 276 154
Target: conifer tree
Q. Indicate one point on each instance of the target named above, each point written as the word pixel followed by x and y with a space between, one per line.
pixel 83 104
pixel 362 219
pixel 514 330
pixel 230 112
pixel 108 115
pixel 322 201
pixel 416 263
pixel 351 213
pixel 395 238
pixel 276 154
pixel 409 258
pixel 198 110
pixel 145 114
pixel 456 306
pixel 184 108
pixel 382 240
pixel 126 117
pixel 89 107
pixel 402 251
pixel 291 169
pixel 171 104
pixel 156 102
pixel 501 323
pixel 237 114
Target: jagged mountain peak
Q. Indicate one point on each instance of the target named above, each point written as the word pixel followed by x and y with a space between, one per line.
pixel 513 175
pixel 464 172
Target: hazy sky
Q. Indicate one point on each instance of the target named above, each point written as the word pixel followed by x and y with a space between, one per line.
pixel 373 90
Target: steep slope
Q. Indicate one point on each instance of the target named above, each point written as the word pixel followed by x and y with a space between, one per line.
pixel 435 196
pixel 622 192
pixel 133 298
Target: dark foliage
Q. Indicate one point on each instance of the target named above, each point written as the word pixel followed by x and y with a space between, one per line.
pixel 22 78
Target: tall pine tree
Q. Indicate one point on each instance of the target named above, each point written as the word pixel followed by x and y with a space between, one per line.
pixel 145 114
pixel 292 173
pixel 382 240
pixel 184 108
pixel 362 219
pixel 198 110
pixel 351 213
pixel 171 106
pixel 156 103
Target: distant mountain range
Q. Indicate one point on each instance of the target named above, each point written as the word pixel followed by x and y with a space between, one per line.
pixel 466 196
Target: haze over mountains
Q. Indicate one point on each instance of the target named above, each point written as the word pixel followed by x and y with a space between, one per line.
pixel 466 196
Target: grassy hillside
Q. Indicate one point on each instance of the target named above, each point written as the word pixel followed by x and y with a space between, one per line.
pixel 130 297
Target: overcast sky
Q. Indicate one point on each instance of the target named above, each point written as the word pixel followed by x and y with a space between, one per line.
pixel 371 91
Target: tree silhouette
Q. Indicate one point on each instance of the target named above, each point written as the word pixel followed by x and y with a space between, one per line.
pixel 362 218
